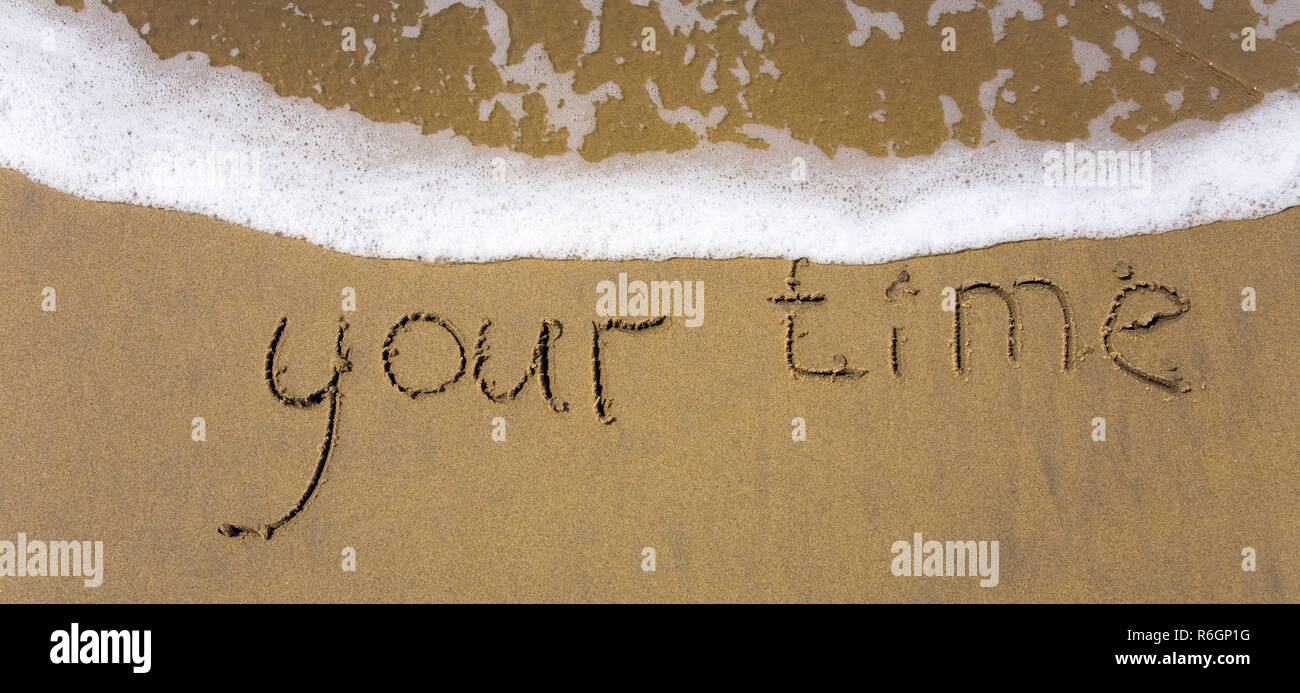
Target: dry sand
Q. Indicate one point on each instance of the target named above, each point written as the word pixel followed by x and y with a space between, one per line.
pixel 162 317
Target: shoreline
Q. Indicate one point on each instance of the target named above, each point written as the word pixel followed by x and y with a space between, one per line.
pixel 106 119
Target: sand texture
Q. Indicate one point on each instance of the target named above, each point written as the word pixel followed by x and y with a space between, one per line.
pixel 162 317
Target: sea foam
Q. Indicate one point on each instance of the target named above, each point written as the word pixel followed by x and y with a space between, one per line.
pixel 87 108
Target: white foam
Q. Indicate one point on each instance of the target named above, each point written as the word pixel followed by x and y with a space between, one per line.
pixel 1090 58
pixel 1127 41
pixel 85 107
pixel 864 20
pixel 1276 15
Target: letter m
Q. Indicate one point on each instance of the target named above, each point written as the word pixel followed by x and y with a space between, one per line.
pixel 664 295
pixel 961 557
pixel 114 646
pixel 65 557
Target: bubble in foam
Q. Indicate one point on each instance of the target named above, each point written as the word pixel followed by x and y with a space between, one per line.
pixel 101 117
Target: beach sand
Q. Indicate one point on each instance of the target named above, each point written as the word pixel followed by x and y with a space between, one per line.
pixel 162 317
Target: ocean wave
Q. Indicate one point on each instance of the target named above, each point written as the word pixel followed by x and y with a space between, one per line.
pixel 87 108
